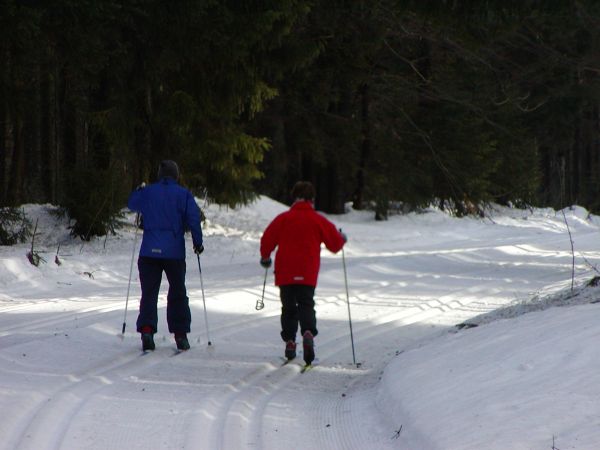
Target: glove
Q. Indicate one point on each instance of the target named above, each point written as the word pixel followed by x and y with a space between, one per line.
pixel 141 186
pixel 265 262
pixel 198 249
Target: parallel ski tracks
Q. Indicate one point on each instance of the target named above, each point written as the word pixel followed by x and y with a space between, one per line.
pixel 248 416
pixel 254 409
pixel 41 427
pixel 52 319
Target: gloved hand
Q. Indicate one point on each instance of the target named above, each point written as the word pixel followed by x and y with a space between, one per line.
pixel 141 186
pixel 265 262
pixel 198 249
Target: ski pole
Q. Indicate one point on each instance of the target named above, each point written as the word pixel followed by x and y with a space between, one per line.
pixel 204 301
pixel 260 303
pixel 137 221
pixel 348 302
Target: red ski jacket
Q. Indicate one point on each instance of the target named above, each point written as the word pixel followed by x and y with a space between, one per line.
pixel 298 234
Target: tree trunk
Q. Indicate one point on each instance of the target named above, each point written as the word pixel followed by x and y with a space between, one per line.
pixel 69 128
pixel 34 180
pixel 49 152
pixel 17 164
pixel 8 143
pixel 365 148
pixel 6 132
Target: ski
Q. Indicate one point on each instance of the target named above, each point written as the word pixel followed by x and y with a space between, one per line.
pixel 303 368
pixel 306 368
pixel 178 351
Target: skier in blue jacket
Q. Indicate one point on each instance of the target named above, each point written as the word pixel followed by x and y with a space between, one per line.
pixel 167 209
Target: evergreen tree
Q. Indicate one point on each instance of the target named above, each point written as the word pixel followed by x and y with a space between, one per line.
pixel 119 86
pixel 458 102
pixel 318 122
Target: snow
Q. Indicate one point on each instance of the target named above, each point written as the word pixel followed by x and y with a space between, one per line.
pixel 524 378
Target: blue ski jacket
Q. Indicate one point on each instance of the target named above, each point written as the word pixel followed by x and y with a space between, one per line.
pixel 166 208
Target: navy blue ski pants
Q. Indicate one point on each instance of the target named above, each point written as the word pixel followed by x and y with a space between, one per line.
pixel 179 316
pixel 297 306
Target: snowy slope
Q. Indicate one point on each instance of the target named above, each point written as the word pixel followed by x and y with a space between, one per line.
pixel 69 379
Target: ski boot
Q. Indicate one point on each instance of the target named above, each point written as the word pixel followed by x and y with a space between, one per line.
pixel 290 350
pixel 147 339
pixel 182 342
pixel 309 347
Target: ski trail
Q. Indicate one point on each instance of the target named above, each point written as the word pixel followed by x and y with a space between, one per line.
pixel 333 418
pixel 209 428
pixel 242 427
pixel 235 395
pixel 55 323
pixel 42 428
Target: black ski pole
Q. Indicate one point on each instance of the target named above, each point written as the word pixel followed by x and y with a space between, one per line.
pixel 204 302
pixel 348 302
pixel 137 222
pixel 260 303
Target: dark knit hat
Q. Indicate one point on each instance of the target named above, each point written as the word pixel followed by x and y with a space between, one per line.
pixel 303 190
pixel 168 168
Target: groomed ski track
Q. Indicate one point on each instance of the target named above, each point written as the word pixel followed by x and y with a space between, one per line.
pixel 83 385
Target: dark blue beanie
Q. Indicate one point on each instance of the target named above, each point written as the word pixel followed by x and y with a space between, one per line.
pixel 168 168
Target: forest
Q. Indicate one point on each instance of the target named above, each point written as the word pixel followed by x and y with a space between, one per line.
pixel 390 105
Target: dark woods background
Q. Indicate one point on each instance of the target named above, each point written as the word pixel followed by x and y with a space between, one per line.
pixel 377 102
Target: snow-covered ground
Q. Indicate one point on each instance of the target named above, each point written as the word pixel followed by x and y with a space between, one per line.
pixel 69 379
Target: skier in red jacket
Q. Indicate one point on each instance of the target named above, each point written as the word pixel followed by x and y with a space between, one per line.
pixel 298 234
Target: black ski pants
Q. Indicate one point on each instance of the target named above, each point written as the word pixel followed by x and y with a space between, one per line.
pixel 179 316
pixel 297 306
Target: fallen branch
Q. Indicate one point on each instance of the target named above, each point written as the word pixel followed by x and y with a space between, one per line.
pixel 56 258
pixel 33 256
pixel 397 433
